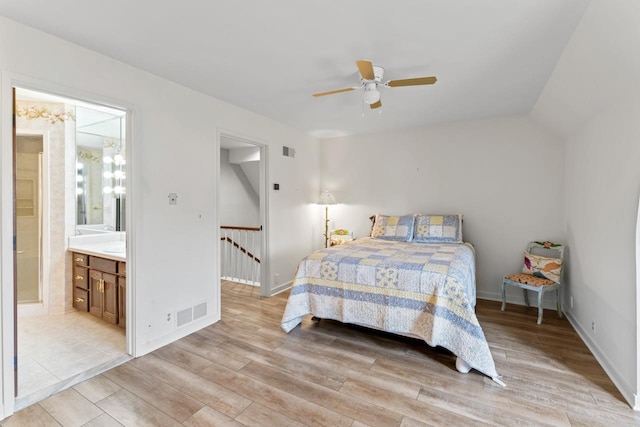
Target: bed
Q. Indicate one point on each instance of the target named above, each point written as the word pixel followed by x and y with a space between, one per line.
pixel 421 288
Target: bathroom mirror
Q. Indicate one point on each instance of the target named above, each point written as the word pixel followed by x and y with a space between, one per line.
pixel 100 171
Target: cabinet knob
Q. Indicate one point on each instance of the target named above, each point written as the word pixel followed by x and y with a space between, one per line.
pixel 79 299
pixel 79 259
pixel 79 277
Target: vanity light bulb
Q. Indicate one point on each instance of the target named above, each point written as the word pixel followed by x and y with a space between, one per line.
pixel 107 175
pixel 107 190
pixel 79 191
pixel 118 159
pixel 79 178
pixel 107 159
pixel 79 166
pixel 118 189
pixel 118 174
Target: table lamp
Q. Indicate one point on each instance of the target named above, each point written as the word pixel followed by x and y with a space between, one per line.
pixel 326 199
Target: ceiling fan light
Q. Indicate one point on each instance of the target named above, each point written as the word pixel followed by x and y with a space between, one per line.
pixel 371 96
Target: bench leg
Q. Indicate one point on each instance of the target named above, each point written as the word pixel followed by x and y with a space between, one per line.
pixel 504 297
pixel 558 303
pixel 540 295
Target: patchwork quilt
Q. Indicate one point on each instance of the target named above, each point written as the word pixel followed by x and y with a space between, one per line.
pixel 420 289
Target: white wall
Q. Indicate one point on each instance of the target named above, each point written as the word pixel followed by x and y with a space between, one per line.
pixel 173 150
pixel 504 175
pixel 239 203
pixel 593 99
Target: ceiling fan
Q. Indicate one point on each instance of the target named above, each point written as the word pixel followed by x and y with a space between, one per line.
pixel 371 80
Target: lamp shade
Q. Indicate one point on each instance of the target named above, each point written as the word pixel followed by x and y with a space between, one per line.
pixel 326 198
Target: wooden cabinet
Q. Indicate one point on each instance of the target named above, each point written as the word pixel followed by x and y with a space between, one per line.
pixel 122 301
pixel 100 287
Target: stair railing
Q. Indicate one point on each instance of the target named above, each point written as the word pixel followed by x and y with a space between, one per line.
pixel 240 254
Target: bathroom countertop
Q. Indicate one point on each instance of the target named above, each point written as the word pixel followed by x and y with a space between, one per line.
pixel 112 246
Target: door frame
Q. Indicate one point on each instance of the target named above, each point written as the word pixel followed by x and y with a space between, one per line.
pixel 7 292
pixel 265 284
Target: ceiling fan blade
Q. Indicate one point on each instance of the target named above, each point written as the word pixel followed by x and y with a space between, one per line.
pixel 376 105
pixel 331 92
pixel 366 69
pixel 412 82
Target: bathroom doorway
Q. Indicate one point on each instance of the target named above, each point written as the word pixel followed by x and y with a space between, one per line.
pixel 70 186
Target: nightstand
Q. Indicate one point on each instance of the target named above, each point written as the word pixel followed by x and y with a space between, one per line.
pixel 338 237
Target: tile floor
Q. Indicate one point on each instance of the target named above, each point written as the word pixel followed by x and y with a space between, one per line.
pixel 54 350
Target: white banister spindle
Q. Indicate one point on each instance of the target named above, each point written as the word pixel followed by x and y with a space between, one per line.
pixel 240 254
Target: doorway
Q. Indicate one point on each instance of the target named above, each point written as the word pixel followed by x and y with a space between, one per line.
pixel 242 211
pixel 69 182
pixel 31 230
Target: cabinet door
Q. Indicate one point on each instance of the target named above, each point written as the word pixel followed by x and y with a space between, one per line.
pixel 110 298
pixel 96 299
pixel 122 302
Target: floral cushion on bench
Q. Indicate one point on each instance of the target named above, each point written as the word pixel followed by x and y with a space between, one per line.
pixel 529 279
pixel 543 267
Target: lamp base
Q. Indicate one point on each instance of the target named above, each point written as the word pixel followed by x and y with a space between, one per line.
pixel 326 226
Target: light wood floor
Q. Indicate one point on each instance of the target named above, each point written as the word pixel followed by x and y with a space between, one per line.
pixel 245 371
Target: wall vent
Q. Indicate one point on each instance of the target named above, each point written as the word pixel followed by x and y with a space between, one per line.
pixel 184 316
pixel 199 310
pixel 288 151
pixel 190 314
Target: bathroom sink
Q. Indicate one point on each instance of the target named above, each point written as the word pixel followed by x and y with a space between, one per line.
pixel 113 250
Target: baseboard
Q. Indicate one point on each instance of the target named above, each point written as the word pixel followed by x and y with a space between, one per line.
pixel 549 301
pixel 176 334
pixel 281 288
pixel 619 381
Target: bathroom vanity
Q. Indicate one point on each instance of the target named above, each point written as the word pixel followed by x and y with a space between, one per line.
pixel 99 270
pixel 100 276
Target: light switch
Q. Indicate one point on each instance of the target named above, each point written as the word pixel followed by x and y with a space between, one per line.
pixel 173 198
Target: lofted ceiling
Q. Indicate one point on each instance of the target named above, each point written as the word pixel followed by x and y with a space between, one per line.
pixel 491 57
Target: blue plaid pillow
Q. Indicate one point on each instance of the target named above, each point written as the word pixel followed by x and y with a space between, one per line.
pixel 399 228
pixel 438 229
